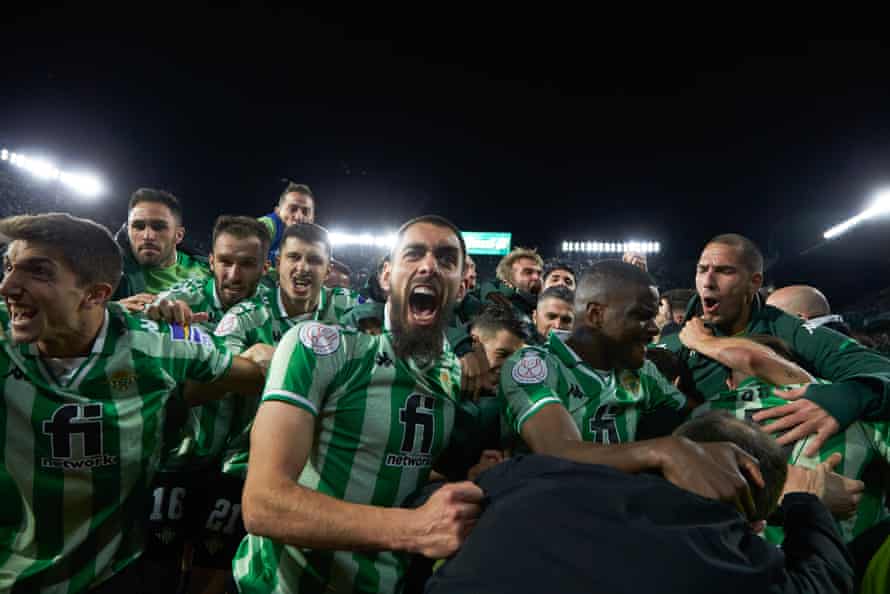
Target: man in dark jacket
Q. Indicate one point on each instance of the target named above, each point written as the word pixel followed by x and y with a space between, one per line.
pixel 552 525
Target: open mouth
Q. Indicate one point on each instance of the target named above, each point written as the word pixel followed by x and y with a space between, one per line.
pixel 21 314
pixel 423 304
pixel 710 305
pixel 302 286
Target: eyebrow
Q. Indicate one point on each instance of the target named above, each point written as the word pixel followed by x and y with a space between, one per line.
pixel 32 261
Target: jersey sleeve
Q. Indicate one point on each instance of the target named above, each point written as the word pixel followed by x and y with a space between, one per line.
pixel 660 393
pixel 860 377
pixel 185 352
pixel 270 225
pixel 233 328
pixel 188 290
pixel 529 381
pixel 305 363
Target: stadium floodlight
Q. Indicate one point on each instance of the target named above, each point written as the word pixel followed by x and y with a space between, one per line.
pixel 879 206
pixel 612 247
pixel 343 238
pixel 85 184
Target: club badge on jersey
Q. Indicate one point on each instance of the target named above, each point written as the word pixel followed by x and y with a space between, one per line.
pixel 322 339
pixel 530 369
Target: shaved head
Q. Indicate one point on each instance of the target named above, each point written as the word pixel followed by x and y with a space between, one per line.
pixel 605 279
pixel 800 300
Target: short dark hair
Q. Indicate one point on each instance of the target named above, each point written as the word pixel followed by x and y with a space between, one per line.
pixel 158 196
pixel 752 257
pixel 310 233
pixel 494 317
pixel 606 276
pixel 558 292
pixel 678 298
pixel 85 247
pixel 720 425
pixel 242 228
pixel 341 267
pixel 298 189
pixel 552 266
pixel 436 221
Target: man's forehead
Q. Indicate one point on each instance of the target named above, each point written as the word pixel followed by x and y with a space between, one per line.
pixel 526 263
pixel 635 296
pixel 295 244
pixel 298 198
pixel 430 235
pixel 21 250
pixel 553 303
pixel 149 211
pixel 719 253
pixel 226 242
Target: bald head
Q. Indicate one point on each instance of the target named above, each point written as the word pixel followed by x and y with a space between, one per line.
pixel 800 300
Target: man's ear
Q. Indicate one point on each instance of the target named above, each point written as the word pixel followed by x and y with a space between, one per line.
pixel 756 282
pixel 266 265
pixel 595 314
pixel 180 234
pixel 97 295
pixel 385 278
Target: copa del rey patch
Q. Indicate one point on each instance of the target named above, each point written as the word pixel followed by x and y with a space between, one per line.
pixel 531 369
pixel 323 340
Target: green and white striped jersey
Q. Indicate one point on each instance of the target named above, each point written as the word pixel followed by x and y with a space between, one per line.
pixel 202 432
pixel 77 455
pixel 605 405
pixel 264 319
pixel 380 422
pixel 862 444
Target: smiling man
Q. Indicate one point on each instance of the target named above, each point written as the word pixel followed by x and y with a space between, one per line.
pixel 349 427
pixel 84 387
pixel 582 399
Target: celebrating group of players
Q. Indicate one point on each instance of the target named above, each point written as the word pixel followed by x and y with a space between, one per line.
pixel 176 424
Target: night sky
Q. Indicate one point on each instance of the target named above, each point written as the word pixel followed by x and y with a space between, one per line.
pixel 554 127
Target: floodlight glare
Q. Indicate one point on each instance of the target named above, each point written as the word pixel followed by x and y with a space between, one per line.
pixel 879 206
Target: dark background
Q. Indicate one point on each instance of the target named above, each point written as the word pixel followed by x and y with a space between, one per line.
pixel 553 125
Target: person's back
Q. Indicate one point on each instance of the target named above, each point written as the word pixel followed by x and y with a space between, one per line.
pixel 553 525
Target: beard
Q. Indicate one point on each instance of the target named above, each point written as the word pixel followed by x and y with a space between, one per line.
pixel 421 343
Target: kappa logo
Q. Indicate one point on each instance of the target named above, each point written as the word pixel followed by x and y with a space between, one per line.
pixel 531 369
pixel 122 379
pixel 383 360
pixel 322 339
pixel 15 373
pixel 575 392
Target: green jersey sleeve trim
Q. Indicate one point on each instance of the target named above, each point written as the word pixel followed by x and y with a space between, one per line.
pixel 534 409
pixel 291 398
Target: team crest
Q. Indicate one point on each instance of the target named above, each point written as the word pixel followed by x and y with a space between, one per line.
pixel 445 377
pixel 531 369
pixel 122 379
pixel 630 382
pixel 322 339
